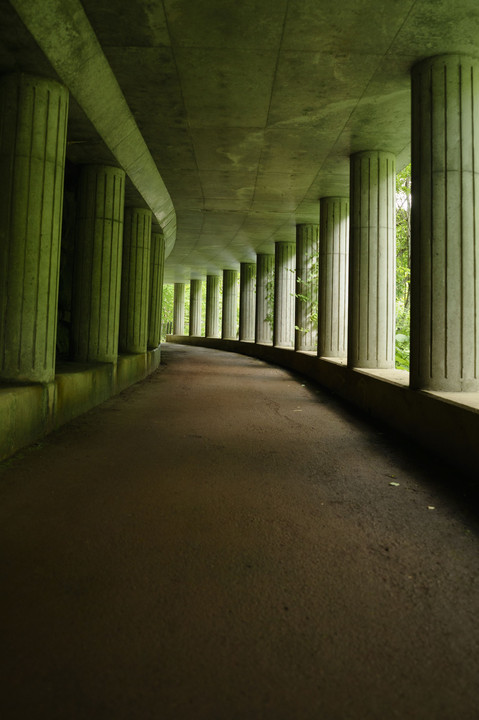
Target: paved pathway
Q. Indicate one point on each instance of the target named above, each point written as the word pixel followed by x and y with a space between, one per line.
pixel 224 542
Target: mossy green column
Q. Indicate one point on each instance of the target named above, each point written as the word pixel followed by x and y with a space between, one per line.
pixel 229 323
pixel 284 293
pixel 264 298
pixel 157 269
pixel 33 126
pixel 333 277
pixel 179 309
pixel 247 301
pixel 445 224
pixel 135 281
pixel 372 261
pixel 196 287
pixel 97 268
pixel 307 250
pixel 212 322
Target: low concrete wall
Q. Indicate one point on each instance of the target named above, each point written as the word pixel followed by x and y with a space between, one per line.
pixel 28 412
pixel 78 388
pixel 439 422
pixel 23 415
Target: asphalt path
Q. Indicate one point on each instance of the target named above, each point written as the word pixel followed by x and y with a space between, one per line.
pixel 227 541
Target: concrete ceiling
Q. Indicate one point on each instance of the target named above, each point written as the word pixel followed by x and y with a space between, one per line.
pixel 251 108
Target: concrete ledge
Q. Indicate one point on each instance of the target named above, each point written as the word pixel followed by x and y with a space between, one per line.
pixel 28 412
pixel 133 368
pixel 80 388
pixel 446 424
pixel 23 413
pixel 130 369
pixel 153 360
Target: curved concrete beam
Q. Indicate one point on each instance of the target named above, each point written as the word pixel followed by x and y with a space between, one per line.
pixel 63 32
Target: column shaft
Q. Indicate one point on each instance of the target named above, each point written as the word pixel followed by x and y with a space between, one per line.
pixel 284 294
pixel 157 270
pixel 135 281
pixel 247 302
pixel 195 307
pixel 230 305
pixel 372 258
pixel 444 224
pixel 264 299
pixel 179 309
pixel 306 301
pixel 33 126
pixel 333 277
pixel 212 325
pixel 97 267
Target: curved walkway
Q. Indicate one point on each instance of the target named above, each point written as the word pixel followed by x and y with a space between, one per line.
pixel 224 541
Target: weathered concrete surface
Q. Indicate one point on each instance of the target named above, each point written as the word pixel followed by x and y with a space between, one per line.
pixel 28 412
pixel 333 277
pixel 155 303
pixel 33 134
pixel 66 37
pixel 306 290
pixel 196 288
pixel 261 103
pixel 284 291
pixel 98 254
pixel 135 278
pixel 372 261
pixel 445 423
pixel 264 287
pixel 229 322
pixel 179 309
pixel 444 218
pixel 212 315
pixel 222 541
pixel 247 302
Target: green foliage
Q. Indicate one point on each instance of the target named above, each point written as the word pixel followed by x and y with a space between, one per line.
pixel 203 308
pixel 167 308
pixel 220 309
pixel 238 285
pixel 269 291
pixel 309 294
pixel 403 266
pixel 187 309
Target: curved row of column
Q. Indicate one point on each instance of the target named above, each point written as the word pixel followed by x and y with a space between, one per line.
pixel 118 262
pixel 354 265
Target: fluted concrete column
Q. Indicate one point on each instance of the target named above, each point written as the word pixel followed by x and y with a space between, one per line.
pixel 195 307
pixel 247 302
pixel 157 269
pixel 445 224
pixel 284 293
pixel 230 305
pixel 264 298
pixel 97 268
pixel 306 301
pixel 179 309
pixel 135 281
pixel 372 261
pixel 212 322
pixel 33 127
pixel 333 277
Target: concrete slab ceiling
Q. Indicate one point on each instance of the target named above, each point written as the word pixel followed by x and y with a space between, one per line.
pixel 251 109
